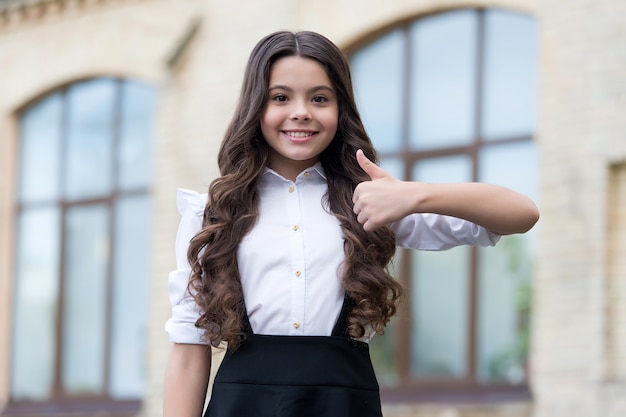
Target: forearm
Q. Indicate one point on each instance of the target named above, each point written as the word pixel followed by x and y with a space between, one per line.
pixel 496 208
pixel 384 200
pixel 186 380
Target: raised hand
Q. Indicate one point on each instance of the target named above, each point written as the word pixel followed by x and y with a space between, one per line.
pixel 382 200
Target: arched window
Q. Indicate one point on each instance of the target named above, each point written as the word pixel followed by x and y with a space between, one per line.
pixel 452 97
pixel 82 245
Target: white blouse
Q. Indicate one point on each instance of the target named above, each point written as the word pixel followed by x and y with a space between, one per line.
pixel 291 261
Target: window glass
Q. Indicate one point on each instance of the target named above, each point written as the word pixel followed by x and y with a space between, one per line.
pixel 90 135
pixel 510 79
pixel 131 270
pixel 82 244
pixel 443 70
pixel 35 301
pixel 382 348
pixel 513 165
pixel 469 308
pixel 86 260
pixel 439 299
pixel 440 288
pixel 504 311
pixel 40 138
pixel 136 132
pixel 445 169
pixel 380 103
pixel 394 166
pixel 505 273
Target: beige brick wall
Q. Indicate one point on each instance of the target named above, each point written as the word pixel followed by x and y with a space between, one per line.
pixel 446 410
pixel 616 275
pixel 613 389
pixel 582 132
pixel 58 42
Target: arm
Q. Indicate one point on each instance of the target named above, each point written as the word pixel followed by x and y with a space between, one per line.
pixel 186 380
pixel 385 199
pixel 189 365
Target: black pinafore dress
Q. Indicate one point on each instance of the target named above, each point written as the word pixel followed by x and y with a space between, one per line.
pixel 297 376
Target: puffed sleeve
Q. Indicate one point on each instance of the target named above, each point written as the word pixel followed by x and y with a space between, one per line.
pixel 427 231
pixel 181 325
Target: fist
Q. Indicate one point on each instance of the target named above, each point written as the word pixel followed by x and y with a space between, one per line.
pixel 379 201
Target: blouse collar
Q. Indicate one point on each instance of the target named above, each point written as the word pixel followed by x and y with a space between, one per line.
pixel 317 168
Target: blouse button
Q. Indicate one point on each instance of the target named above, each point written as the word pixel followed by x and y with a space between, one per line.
pixel 298 273
pixel 307 173
pixel 291 189
pixel 296 324
pixel 295 227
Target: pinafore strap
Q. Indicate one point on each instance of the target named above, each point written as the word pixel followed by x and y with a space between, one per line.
pixel 297 376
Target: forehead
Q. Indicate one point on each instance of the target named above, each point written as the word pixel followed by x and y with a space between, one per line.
pixel 295 71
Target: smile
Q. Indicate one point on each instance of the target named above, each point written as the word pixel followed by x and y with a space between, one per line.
pixel 298 134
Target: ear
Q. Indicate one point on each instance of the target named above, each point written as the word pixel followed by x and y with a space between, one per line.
pixel 370 168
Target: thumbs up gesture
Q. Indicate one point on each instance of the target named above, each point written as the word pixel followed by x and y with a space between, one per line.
pixel 382 200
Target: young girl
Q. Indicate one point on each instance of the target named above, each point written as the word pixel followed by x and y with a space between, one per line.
pixel 285 258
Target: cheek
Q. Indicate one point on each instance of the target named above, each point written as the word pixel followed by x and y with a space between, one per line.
pixel 331 122
pixel 267 122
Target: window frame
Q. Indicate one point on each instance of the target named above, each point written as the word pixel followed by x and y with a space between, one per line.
pixel 59 400
pixel 466 389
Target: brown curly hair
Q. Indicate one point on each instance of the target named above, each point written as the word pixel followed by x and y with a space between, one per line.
pixel 232 208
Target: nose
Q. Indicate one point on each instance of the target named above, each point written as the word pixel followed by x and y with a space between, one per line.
pixel 300 112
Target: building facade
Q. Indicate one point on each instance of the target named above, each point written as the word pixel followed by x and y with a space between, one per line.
pixel 108 106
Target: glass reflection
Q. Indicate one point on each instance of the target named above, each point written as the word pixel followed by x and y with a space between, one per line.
pixel 382 347
pixel 510 75
pixel 380 101
pixel 513 165
pixel 505 273
pixel 394 166
pixel 40 150
pixel 443 87
pixel 35 308
pixel 135 148
pixel 131 271
pixel 446 96
pixel 69 157
pixel 445 169
pixel 440 289
pixel 439 300
pixel 90 136
pixel 84 313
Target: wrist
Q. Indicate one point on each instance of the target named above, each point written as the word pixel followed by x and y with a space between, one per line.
pixel 421 195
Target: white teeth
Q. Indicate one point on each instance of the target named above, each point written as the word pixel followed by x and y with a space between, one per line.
pixel 299 134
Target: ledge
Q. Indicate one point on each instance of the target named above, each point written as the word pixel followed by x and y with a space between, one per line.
pixel 95 407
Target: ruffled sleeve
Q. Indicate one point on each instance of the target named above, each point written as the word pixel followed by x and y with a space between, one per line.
pixel 426 231
pixel 181 325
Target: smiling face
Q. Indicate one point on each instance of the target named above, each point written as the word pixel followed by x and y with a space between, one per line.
pixel 300 118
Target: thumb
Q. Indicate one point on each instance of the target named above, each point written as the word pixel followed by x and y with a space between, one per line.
pixel 370 168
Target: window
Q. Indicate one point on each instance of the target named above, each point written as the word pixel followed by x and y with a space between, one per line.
pixel 83 221
pixel 447 98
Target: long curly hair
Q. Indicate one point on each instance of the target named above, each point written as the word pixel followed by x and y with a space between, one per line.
pixel 232 207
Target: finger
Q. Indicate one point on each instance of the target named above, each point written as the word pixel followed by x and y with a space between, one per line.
pixel 370 168
pixel 355 196
pixel 369 226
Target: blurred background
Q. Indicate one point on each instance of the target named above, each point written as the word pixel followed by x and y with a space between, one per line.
pixel 108 106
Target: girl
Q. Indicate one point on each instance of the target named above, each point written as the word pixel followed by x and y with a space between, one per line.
pixel 285 258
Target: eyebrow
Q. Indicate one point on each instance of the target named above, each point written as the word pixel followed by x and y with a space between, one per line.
pixel 310 90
